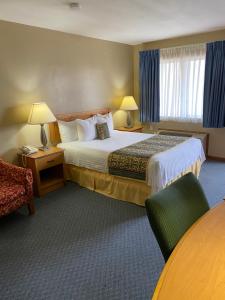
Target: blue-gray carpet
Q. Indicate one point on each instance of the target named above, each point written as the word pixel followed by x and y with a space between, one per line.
pixel 82 245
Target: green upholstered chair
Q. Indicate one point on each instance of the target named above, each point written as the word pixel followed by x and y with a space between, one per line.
pixel 173 210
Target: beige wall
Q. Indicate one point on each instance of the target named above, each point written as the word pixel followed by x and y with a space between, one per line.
pixel 217 136
pixel 72 73
pixel 69 72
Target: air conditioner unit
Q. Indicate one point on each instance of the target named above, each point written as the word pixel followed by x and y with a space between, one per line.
pixel 203 136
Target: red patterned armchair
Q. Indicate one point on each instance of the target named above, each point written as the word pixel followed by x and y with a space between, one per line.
pixel 15 188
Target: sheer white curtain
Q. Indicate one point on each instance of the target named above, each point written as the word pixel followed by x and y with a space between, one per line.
pixel 182 72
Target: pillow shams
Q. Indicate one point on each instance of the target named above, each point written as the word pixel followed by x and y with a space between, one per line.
pixel 86 129
pixel 102 131
pixel 67 131
pixel 83 130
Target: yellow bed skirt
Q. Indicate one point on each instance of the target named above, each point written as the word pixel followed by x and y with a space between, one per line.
pixel 134 191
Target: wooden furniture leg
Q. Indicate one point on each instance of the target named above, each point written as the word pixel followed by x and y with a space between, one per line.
pixel 31 207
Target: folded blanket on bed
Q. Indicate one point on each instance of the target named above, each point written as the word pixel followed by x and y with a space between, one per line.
pixel 132 161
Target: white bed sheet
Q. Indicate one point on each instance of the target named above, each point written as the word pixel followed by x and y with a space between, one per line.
pixel 163 167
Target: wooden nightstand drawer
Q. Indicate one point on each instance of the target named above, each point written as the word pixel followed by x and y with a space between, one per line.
pixel 49 161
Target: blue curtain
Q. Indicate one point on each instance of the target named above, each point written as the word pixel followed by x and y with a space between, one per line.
pixel 214 88
pixel 149 86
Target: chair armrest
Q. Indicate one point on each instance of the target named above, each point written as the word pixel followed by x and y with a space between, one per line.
pixel 18 175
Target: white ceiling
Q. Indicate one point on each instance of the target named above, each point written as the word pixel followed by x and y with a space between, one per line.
pixel 125 21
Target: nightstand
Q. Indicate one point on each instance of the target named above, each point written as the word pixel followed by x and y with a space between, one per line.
pixel 47 169
pixel 137 128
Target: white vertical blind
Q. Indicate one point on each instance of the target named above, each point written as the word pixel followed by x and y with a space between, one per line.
pixel 182 72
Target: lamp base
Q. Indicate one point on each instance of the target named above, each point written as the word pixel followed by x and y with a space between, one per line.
pixel 43 148
pixel 44 140
pixel 129 120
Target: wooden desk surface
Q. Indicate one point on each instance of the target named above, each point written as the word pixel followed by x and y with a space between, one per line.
pixel 196 268
pixel 134 128
pixel 50 151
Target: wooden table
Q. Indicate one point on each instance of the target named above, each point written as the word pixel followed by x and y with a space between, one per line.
pixel 196 268
pixel 47 169
pixel 135 128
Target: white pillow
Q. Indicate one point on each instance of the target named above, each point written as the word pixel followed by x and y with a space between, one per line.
pixel 107 118
pixel 68 131
pixel 86 129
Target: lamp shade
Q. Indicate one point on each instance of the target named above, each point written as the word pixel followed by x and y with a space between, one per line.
pixel 40 114
pixel 128 103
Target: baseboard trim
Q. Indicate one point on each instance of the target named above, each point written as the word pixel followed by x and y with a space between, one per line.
pixel 216 158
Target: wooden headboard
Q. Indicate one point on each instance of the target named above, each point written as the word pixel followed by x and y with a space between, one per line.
pixel 54 128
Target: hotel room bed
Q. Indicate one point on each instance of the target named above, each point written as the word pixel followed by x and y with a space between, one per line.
pixel 87 164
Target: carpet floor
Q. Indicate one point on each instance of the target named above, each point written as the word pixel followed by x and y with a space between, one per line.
pixel 82 245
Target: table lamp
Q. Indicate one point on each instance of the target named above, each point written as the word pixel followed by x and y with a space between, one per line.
pixel 129 105
pixel 40 114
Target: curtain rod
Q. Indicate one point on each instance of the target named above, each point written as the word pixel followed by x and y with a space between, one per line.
pixel 174 47
pixel 184 46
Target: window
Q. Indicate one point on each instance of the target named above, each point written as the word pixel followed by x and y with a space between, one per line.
pixel 182 83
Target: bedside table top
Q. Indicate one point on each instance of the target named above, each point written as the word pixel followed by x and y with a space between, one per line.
pixel 134 128
pixel 50 151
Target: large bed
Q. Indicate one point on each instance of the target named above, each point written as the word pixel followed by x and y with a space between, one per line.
pixel 86 162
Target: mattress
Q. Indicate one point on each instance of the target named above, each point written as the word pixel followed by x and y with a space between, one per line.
pixel 162 168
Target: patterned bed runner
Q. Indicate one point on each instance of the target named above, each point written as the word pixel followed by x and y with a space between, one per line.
pixel 132 161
